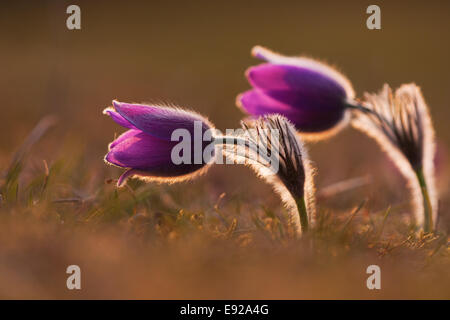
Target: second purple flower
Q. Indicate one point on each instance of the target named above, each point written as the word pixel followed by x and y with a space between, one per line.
pixel 312 95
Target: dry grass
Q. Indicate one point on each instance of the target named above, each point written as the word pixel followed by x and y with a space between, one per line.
pixel 156 241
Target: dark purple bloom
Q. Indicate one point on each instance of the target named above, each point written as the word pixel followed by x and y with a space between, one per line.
pixel 146 148
pixel 312 95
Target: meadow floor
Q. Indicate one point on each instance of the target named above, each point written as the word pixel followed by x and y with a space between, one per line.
pixel 179 242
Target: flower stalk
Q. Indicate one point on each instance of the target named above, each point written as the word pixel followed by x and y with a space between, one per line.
pixel 303 213
pixel 427 208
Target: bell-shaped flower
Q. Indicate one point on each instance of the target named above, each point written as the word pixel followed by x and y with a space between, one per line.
pixel 312 95
pixel 151 148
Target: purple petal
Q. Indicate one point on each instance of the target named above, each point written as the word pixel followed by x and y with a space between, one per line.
pixel 127 134
pixel 149 155
pixel 306 63
pixel 302 80
pixel 307 115
pixel 124 176
pixel 118 118
pixel 308 102
pixel 256 103
pixel 140 150
pixel 159 121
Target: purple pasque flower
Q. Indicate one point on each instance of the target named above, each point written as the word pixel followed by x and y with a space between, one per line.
pixel 312 95
pixel 146 149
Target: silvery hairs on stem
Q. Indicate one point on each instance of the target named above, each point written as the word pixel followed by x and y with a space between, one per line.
pixel 401 124
pixel 273 150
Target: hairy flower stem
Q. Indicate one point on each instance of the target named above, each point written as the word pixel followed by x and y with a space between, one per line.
pixel 301 206
pixel 427 209
pixel 233 141
pixel 362 108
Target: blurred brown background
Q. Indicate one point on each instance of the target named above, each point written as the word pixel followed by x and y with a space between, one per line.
pixel 194 54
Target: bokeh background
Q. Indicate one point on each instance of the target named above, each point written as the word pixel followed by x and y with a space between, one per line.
pixel 194 54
